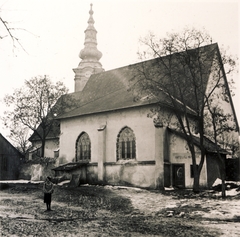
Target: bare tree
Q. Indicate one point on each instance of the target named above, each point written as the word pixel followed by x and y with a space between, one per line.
pixel 220 131
pixel 34 106
pixel 179 75
pixel 9 31
pixel 19 135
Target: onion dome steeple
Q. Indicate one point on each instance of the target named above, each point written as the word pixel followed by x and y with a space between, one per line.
pixel 90 56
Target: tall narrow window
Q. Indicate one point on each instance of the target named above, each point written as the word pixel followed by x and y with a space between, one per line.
pixel 126 145
pixel 83 148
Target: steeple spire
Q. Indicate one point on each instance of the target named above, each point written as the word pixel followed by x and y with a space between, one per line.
pixel 90 56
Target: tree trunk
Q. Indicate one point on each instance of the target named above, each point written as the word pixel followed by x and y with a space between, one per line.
pixel 223 176
pixel 223 188
pixel 196 171
pixel 196 188
pixel 43 148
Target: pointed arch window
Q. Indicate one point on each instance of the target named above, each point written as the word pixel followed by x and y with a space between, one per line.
pixel 126 144
pixel 83 148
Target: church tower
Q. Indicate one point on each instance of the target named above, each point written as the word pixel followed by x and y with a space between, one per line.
pixel 90 56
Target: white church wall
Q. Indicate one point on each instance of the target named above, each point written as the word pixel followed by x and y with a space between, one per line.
pixel 131 174
pixel 135 118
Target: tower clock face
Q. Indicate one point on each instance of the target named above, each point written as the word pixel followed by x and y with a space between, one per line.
pixel 87 74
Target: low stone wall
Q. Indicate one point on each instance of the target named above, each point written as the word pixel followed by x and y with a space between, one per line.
pixel 134 173
pixel 35 172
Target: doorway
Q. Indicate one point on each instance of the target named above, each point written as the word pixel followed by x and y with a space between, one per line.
pixel 178 175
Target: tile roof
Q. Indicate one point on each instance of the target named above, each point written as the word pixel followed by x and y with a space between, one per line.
pixel 111 90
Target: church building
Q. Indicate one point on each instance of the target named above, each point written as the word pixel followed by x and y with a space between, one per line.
pixel 108 138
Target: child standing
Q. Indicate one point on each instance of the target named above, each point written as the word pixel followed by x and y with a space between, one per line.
pixel 48 188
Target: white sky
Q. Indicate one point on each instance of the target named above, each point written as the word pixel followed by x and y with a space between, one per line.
pixel 54 34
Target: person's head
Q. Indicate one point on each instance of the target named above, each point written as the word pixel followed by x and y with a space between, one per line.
pixel 48 179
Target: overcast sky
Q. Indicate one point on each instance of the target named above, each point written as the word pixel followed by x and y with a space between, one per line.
pixel 53 34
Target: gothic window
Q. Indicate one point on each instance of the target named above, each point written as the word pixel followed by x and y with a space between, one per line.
pixel 126 144
pixel 83 148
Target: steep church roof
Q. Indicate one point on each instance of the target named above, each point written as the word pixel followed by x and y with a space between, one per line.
pixel 113 90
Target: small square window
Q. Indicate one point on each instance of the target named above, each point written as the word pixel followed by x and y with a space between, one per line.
pixel 56 154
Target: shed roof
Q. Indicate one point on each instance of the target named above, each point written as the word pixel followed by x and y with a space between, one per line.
pixel 3 150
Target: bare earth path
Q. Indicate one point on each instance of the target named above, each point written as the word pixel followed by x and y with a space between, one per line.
pixel 116 211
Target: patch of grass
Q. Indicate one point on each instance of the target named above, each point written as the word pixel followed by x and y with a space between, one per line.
pixel 94 197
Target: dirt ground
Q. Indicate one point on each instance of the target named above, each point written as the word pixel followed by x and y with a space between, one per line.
pixel 116 211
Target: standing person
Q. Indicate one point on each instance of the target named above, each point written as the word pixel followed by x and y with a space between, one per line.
pixel 48 190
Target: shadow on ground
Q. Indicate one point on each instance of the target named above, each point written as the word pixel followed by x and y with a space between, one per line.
pixel 93 211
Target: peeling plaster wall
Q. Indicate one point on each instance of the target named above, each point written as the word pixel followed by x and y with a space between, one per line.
pixel 179 154
pixel 36 172
pixel 131 174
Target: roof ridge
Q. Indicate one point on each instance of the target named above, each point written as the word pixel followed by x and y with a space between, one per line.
pixel 148 60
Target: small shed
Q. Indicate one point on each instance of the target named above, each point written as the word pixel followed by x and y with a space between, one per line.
pixel 10 160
